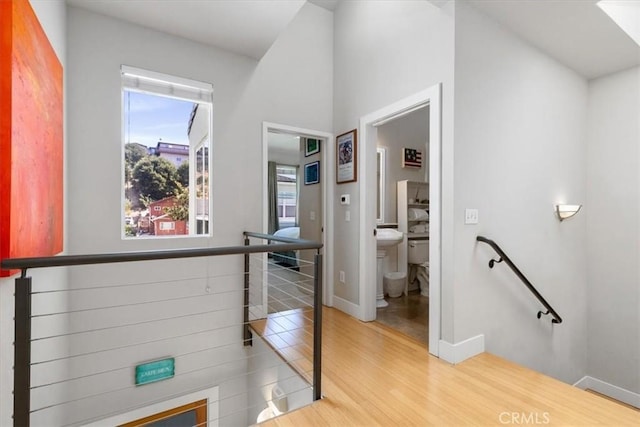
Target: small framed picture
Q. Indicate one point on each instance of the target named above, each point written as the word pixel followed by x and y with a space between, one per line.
pixel 347 157
pixel 312 173
pixel 411 158
pixel 311 146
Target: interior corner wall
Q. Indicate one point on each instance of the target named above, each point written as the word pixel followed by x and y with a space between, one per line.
pixel 292 84
pixel 410 131
pixel 52 17
pixel 520 147
pixel 385 51
pixel 612 210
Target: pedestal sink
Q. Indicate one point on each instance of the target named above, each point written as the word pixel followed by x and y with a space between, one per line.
pixel 385 238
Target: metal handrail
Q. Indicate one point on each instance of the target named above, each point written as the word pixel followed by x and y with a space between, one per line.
pixel 23 291
pixel 534 291
pixel 108 258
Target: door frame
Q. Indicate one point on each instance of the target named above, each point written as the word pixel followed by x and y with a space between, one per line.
pixel 431 97
pixel 326 154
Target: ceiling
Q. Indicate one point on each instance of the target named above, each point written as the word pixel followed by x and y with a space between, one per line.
pixel 247 27
pixel 574 32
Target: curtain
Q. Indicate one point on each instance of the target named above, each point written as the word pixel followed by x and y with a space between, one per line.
pixel 273 224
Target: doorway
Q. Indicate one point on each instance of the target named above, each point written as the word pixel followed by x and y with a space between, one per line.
pixel 303 205
pixel 369 124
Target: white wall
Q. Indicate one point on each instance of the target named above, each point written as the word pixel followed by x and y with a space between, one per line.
pixel 292 84
pixel 612 211
pixel 310 201
pixel 52 17
pixel 410 131
pixel 384 52
pixel 279 88
pixel 520 132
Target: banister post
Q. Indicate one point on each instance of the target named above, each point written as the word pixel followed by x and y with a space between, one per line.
pixel 248 338
pixel 22 352
pixel 317 327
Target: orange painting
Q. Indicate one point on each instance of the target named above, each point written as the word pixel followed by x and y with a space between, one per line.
pixel 31 138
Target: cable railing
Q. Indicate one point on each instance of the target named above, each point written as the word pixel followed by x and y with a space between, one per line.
pixel 522 277
pixel 243 341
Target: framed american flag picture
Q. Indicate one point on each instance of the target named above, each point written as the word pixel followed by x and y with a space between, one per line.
pixel 411 158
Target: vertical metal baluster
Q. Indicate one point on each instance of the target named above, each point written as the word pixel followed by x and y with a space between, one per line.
pixel 22 352
pixel 317 327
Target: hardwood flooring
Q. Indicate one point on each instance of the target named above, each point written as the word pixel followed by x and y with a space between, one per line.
pixel 613 400
pixel 374 376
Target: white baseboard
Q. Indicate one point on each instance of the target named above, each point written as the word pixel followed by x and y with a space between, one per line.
pixel 346 306
pixel 456 353
pixel 610 390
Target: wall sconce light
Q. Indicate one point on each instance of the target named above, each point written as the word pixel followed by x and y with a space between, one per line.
pixel 566 211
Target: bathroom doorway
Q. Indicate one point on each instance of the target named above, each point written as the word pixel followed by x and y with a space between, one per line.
pixel 296 201
pixel 403 200
pixel 427 104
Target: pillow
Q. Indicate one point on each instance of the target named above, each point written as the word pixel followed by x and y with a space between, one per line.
pixel 289 232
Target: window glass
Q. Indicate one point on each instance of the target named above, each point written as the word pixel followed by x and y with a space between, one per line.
pixel 287 195
pixel 166 141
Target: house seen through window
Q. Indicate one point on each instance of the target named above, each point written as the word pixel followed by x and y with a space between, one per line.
pixel 166 141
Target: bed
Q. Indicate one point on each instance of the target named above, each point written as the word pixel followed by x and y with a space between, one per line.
pixel 287 258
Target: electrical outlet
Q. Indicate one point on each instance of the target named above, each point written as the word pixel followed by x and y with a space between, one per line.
pixel 471 216
pixel 342 278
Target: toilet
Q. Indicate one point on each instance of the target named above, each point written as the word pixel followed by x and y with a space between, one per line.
pixel 418 258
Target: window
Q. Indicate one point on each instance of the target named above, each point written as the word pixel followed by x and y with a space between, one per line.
pixel 166 140
pixel 287 195
pixel 165 226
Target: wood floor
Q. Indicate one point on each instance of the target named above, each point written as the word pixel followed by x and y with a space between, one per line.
pixel 374 376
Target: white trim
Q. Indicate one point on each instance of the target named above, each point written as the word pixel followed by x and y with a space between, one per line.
pixel 610 390
pixel 456 353
pixel 346 306
pixel 381 187
pixel 327 154
pixel 210 394
pixel 148 81
pixel 367 256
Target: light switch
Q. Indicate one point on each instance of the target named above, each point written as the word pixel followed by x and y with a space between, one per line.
pixel 471 216
pixel 312 215
pixel 347 216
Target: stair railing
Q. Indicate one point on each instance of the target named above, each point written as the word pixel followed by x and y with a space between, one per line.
pixel 534 291
pixel 23 300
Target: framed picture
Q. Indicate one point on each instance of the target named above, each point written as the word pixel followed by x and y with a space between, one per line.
pixel 311 146
pixel 411 158
pixel 347 157
pixel 312 173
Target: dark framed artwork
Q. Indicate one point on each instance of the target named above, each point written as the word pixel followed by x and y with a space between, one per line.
pixel 312 173
pixel 311 146
pixel 347 157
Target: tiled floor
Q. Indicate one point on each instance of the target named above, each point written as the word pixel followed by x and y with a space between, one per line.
pixel 407 314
